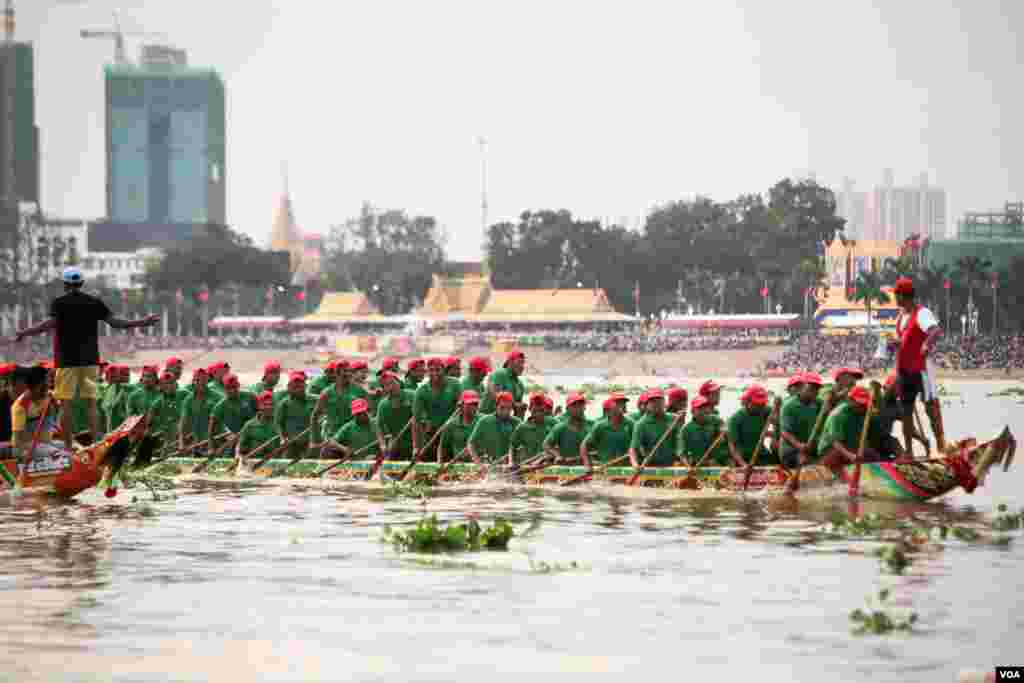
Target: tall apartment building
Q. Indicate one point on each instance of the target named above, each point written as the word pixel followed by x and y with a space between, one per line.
pixel 891 212
pixel 165 141
pixel 19 135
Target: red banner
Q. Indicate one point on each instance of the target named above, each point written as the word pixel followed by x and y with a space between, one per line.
pixel 947 285
pixel 300 295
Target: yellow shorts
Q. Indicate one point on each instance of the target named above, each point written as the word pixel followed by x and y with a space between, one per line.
pixel 75 383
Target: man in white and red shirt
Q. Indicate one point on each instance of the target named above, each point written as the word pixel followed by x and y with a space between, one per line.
pixel 917 329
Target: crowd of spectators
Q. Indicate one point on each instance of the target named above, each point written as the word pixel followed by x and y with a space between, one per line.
pixel 653 343
pixel 819 353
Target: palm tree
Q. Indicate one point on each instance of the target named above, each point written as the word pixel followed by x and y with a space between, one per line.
pixel 972 271
pixel 814 275
pixel 931 285
pixel 895 268
pixel 868 288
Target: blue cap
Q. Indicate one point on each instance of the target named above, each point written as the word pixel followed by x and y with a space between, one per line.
pixel 73 276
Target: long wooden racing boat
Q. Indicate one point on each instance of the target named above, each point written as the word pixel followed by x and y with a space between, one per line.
pixel 56 471
pixel 966 466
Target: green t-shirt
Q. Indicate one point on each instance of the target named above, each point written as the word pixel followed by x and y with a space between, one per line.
pixel 292 418
pixel 337 407
pixel 393 415
pixel 501 380
pixel 636 416
pixel 115 405
pixel 566 439
pixel 798 419
pixel 255 433
pixel 695 438
pixel 411 383
pixel 142 400
pixel 844 425
pixel 167 411
pixel 357 436
pixel 469 384
pixel 646 434
pixel 435 406
pixel 196 413
pixel 233 413
pixel 744 430
pixel 456 436
pixel 260 387
pixel 491 437
pixel 609 441
pixel 528 439
pixel 319 385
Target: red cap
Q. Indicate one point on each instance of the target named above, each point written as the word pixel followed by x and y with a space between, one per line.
pixel 504 397
pixel 200 371
pixel 390 363
pixel 608 403
pixel 699 402
pixel 110 370
pixel 265 397
pixel 795 379
pixel 756 394
pixel 173 360
pixel 655 393
pixel 537 397
pixel 342 364
pixel 904 286
pixel 436 363
pixel 470 397
pixel 167 376
pixel 859 395
pixel 212 368
pixel 358 364
pixel 575 398
pixel 416 363
pixel 708 388
pixel 642 398
pixel 7 368
pixel 618 397
pixel 150 368
pixel 677 394
pixel 858 374
pixel 514 355
pixel 360 406
pixel 452 362
pixel 231 381
pixel 102 363
pixel 296 375
pixel 479 363
pixel 549 403
pixel 385 376
pixel 812 378
pixel 271 366
pixel 47 364
pixel 890 379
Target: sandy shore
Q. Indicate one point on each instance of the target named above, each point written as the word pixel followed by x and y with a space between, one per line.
pixel 621 368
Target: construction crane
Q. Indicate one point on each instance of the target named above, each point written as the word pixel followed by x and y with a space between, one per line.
pixel 118 35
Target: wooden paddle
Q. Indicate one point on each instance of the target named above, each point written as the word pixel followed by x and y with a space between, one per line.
pixel 593 470
pixel 794 478
pixel 258 449
pixel 375 468
pixel 671 427
pixel 347 458
pixel 283 446
pixel 445 465
pixel 35 439
pixel 409 471
pixel 178 452
pixel 760 443
pixel 217 452
pixel 708 452
pixel 854 487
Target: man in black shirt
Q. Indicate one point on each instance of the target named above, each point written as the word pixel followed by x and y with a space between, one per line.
pixel 74 320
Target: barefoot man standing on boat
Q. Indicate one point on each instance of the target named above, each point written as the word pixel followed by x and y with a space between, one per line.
pixel 917 329
pixel 74 320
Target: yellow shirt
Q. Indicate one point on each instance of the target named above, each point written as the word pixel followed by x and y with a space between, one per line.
pixel 25 414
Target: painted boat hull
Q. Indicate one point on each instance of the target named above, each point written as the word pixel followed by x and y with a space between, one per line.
pixel 912 482
pixel 82 470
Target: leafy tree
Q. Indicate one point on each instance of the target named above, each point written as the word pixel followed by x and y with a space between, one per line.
pixel 972 272
pixel 930 285
pixel 895 268
pixel 868 288
pixel 386 254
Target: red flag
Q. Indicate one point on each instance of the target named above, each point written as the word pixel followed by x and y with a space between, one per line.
pixel 636 295
pixel 124 296
pixel 947 285
pixel 179 297
pixel 995 280
pixel 269 296
pixel 764 292
pixel 203 296
pixel 300 295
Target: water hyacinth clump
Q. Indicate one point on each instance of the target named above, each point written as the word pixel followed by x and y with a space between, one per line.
pixel 879 621
pixel 429 536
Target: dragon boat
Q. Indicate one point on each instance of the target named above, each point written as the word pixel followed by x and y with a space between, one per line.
pixel 54 470
pixel 966 465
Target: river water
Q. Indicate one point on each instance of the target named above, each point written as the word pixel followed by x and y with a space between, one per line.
pixel 290 581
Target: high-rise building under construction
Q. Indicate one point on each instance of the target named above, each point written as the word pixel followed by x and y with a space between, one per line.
pixel 165 141
pixel 19 146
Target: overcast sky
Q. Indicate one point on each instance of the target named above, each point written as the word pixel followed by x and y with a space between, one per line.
pixel 603 108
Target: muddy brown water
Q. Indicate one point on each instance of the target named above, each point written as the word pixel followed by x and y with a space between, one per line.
pixel 289 580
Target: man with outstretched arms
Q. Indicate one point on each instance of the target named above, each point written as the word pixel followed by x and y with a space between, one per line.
pixel 917 329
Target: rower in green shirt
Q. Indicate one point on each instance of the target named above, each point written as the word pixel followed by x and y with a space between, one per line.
pixel 358 371
pixel 845 379
pixel 234 410
pixel 259 430
pixel 641 404
pixel 434 401
pixel 697 436
pixel 506 379
pixel 416 371
pixel 218 371
pixel 271 378
pixel 476 378
pixel 648 432
pixel 453 368
pixel 492 435
pixel 456 434
pixel 746 425
pixel 328 378
pixel 194 423
pixel 293 417
pixel 394 418
pixel 334 405
pixel 143 398
pixel 840 438
pixel 167 410
pixel 796 420
pixel 712 391
pixel 611 435
pixel 528 438
pixel 359 436
pixel 375 388
pixel 564 441
pixel 115 400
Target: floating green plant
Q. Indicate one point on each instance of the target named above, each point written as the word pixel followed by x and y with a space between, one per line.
pixel 429 536
pixel 879 621
pixel 418 488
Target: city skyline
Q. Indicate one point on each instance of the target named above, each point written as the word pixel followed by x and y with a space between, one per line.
pixel 605 114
